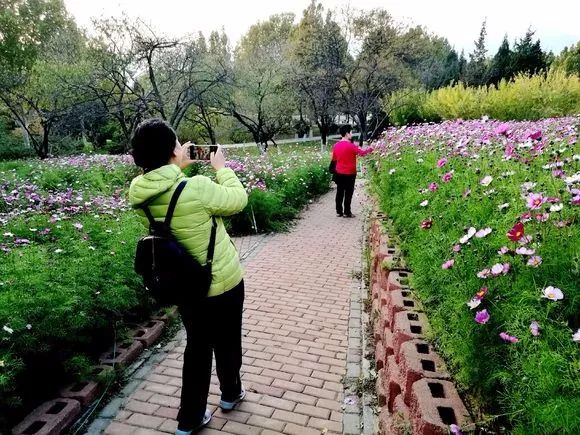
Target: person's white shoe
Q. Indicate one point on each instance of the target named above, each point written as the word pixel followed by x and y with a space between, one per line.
pixel 228 406
pixel 205 421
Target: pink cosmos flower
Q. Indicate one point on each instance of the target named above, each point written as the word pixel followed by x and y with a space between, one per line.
pixel 576 335
pixel 508 338
pixel 542 217
pixel 526 217
pixel 456 248
pixel 575 200
pixel 486 181
pixel 448 264
pixel 558 173
pixel 426 224
pixel 525 240
pixel 433 187
pixel 509 151
pixel 552 293
pixel 484 273
pixel 447 177
pixel 535 328
pixel 474 303
pixel 522 250
pixel 506 268
pixel 497 269
pixel 482 317
pixel 502 129
pixel 503 250
pixel 78 226
pixel 535 200
pixel 483 232
pixel 535 261
pixel 467 193
pixel 553 199
pixel 441 162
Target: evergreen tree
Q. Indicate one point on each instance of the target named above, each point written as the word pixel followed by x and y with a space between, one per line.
pixel 476 70
pixel 528 55
pixel 502 63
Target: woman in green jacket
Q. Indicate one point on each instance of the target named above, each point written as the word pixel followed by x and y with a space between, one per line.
pixel 215 324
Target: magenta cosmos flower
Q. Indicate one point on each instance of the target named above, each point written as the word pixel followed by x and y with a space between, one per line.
pixel 448 264
pixel 535 328
pixel 441 162
pixel 433 187
pixel 482 317
pixel 447 177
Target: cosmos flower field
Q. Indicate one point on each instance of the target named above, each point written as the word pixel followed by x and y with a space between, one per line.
pixel 487 213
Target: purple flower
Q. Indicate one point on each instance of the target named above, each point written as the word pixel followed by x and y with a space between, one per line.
pixel 433 187
pixel 448 264
pixel 447 177
pixel 482 233
pixel 535 200
pixel 535 328
pixel 482 317
pixel 454 429
pixel 441 162
pixel 508 338
pixel 534 261
pixel 456 248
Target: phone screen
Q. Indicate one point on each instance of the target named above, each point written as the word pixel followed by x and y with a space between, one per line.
pixel 201 152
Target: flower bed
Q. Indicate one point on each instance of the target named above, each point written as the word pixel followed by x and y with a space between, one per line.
pixel 67 241
pixel 488 217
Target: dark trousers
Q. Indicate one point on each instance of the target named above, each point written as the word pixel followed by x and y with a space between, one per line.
pixel 215 324
pixel 344 191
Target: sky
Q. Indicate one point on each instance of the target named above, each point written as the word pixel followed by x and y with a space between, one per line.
pixel 555 21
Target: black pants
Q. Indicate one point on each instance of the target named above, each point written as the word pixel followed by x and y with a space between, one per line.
pixel 214 324
pixel 344 191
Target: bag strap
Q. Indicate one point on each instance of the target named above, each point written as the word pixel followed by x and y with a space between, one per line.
pixel 211 246
pixel 173 202
pixel 171 207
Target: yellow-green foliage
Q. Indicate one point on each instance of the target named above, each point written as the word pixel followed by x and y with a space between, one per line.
pixel 523 98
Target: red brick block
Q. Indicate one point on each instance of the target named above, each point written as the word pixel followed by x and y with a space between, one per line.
pixel 392 381
pixel 382 394
pixel 84 392
pixel 378 331
pixel 383 252
pixel 376 291
pixel 123 354
pixel 50 418
pixel 380 355
pixel 397 301
pixel 149 332
pixel 388 341
pixel 418 360
pixel 408 325
pixel 396 280
pixel 435 404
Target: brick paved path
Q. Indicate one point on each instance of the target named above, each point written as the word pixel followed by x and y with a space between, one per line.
pixel 295 337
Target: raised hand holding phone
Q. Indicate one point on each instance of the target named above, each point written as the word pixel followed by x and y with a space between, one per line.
pixel 217 159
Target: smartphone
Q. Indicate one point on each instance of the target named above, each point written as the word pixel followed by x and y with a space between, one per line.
pixel 201 152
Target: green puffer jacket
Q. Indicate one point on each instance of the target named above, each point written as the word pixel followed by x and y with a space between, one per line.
pixel 191 224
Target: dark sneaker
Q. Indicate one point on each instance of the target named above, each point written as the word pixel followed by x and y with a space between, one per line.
pixel 204 422
pixel 339 215
pixel 349 215
pixel 228 406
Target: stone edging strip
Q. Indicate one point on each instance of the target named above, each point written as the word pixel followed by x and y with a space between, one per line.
pixel 414 389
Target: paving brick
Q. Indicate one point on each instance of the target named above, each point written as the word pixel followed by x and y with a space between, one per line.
pixel 290 417
pixel 234 427
pixel 332 426
pixel 294 429
pixel 148 421
pixel 312 411
pixel 276 402
pixel 266 423
pixel 141 407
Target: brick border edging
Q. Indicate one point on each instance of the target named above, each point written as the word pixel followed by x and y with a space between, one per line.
pixel 413 387
pixel 56 415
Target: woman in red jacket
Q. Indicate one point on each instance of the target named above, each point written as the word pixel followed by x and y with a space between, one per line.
pixel 344 154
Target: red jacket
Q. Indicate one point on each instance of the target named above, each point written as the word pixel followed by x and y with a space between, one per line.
pixel 344 153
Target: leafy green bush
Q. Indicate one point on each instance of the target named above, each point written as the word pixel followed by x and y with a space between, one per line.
pixel 523 98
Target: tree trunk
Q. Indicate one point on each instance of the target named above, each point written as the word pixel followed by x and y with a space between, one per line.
pixel 362 123
pixel 43 151
pixel 25 134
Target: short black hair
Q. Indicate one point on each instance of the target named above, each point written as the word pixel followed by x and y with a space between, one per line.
pixel 153 143
pixel 345 129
